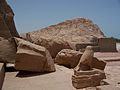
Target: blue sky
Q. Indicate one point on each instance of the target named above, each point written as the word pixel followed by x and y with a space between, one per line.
pixel 35 14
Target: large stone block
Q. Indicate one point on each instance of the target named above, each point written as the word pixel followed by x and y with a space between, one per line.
pixel 2 74
pixel 68 58
pixel 31 57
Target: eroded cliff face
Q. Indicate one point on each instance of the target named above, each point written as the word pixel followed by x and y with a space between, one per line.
pixel 7 25
pixel 7 32
pixel 66 34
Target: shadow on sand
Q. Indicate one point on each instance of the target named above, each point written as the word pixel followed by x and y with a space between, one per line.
pixel 24 74
pixel 10 69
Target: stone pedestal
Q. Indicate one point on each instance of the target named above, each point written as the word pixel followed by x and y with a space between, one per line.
pixel 91 78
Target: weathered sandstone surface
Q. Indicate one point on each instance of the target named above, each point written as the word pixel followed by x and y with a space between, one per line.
pixel 86 60
pixel 31 57
pixel 7 50
pixel 7 31
pixel 91 78
pixel 66 35
pixel 68 58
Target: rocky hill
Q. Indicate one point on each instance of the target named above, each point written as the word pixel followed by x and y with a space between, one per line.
pixel 64 34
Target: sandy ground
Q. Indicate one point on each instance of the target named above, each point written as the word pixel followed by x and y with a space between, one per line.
pixel 61 79
pixel 108 56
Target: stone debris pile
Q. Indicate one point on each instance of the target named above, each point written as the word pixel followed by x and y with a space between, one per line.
pixel 70 43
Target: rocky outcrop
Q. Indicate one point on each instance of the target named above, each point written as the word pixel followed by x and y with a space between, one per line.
pixel 7 31
pixel 31 57
pixel 67 34
pixel 7 26
pixel 68 58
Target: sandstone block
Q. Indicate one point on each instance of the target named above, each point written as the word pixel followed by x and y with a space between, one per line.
pixel 86 59
pixel 98 64
pixel 68 58
pixel 31 57
pixel 91 78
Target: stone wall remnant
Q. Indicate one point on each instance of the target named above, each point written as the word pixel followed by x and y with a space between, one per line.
pixel 107 45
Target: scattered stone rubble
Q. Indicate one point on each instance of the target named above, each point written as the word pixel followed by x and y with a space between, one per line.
pixel 70 59
pixel 62 40
pixel 84 75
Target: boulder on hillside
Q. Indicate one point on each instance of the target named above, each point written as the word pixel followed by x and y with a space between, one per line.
pixel 62 35
pixel 7 32
pixel 31 57
pixel 68 58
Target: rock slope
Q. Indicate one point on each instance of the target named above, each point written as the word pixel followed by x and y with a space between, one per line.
pixel 64 34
